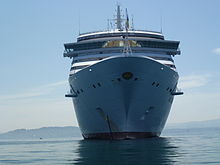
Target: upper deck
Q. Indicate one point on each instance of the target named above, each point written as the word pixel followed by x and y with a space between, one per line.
pixel 118 39
pixel 120 33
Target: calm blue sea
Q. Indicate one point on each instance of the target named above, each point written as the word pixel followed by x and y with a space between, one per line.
pixel 194 146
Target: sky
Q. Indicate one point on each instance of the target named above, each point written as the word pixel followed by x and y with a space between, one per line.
pixel 34 73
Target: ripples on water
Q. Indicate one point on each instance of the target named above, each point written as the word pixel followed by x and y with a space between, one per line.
pixel 202 147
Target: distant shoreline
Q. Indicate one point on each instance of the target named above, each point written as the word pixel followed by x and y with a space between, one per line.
pixel 73 131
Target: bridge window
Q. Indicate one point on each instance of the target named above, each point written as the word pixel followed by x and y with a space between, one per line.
pixel 120 43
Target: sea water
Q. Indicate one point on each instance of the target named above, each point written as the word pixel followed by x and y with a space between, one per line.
pixel 179 146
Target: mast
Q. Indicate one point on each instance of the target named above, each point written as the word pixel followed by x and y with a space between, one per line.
pixel 119 20
pixel 127 49
pixel 127 21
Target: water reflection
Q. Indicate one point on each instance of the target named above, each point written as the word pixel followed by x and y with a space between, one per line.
pixel 126 152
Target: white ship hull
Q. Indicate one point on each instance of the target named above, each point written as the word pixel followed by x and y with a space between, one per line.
pixel 110 106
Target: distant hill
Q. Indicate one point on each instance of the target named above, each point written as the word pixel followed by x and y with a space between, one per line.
pixel 45 132
pixel 195 124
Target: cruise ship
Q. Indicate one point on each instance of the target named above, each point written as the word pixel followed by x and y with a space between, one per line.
pixel 122 81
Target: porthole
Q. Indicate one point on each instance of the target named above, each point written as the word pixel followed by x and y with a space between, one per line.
pixel 157 84
pixel 99 84
pixel 94 86
pixel 81 90
pixel 119 79
pixel 153 83
pixel 77 91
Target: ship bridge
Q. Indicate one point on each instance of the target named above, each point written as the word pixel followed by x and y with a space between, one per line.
pixel 114 42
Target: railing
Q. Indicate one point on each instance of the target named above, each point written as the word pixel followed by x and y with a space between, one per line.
pixel 113 30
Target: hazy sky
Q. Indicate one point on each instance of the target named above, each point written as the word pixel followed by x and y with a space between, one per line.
pixel 34 74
